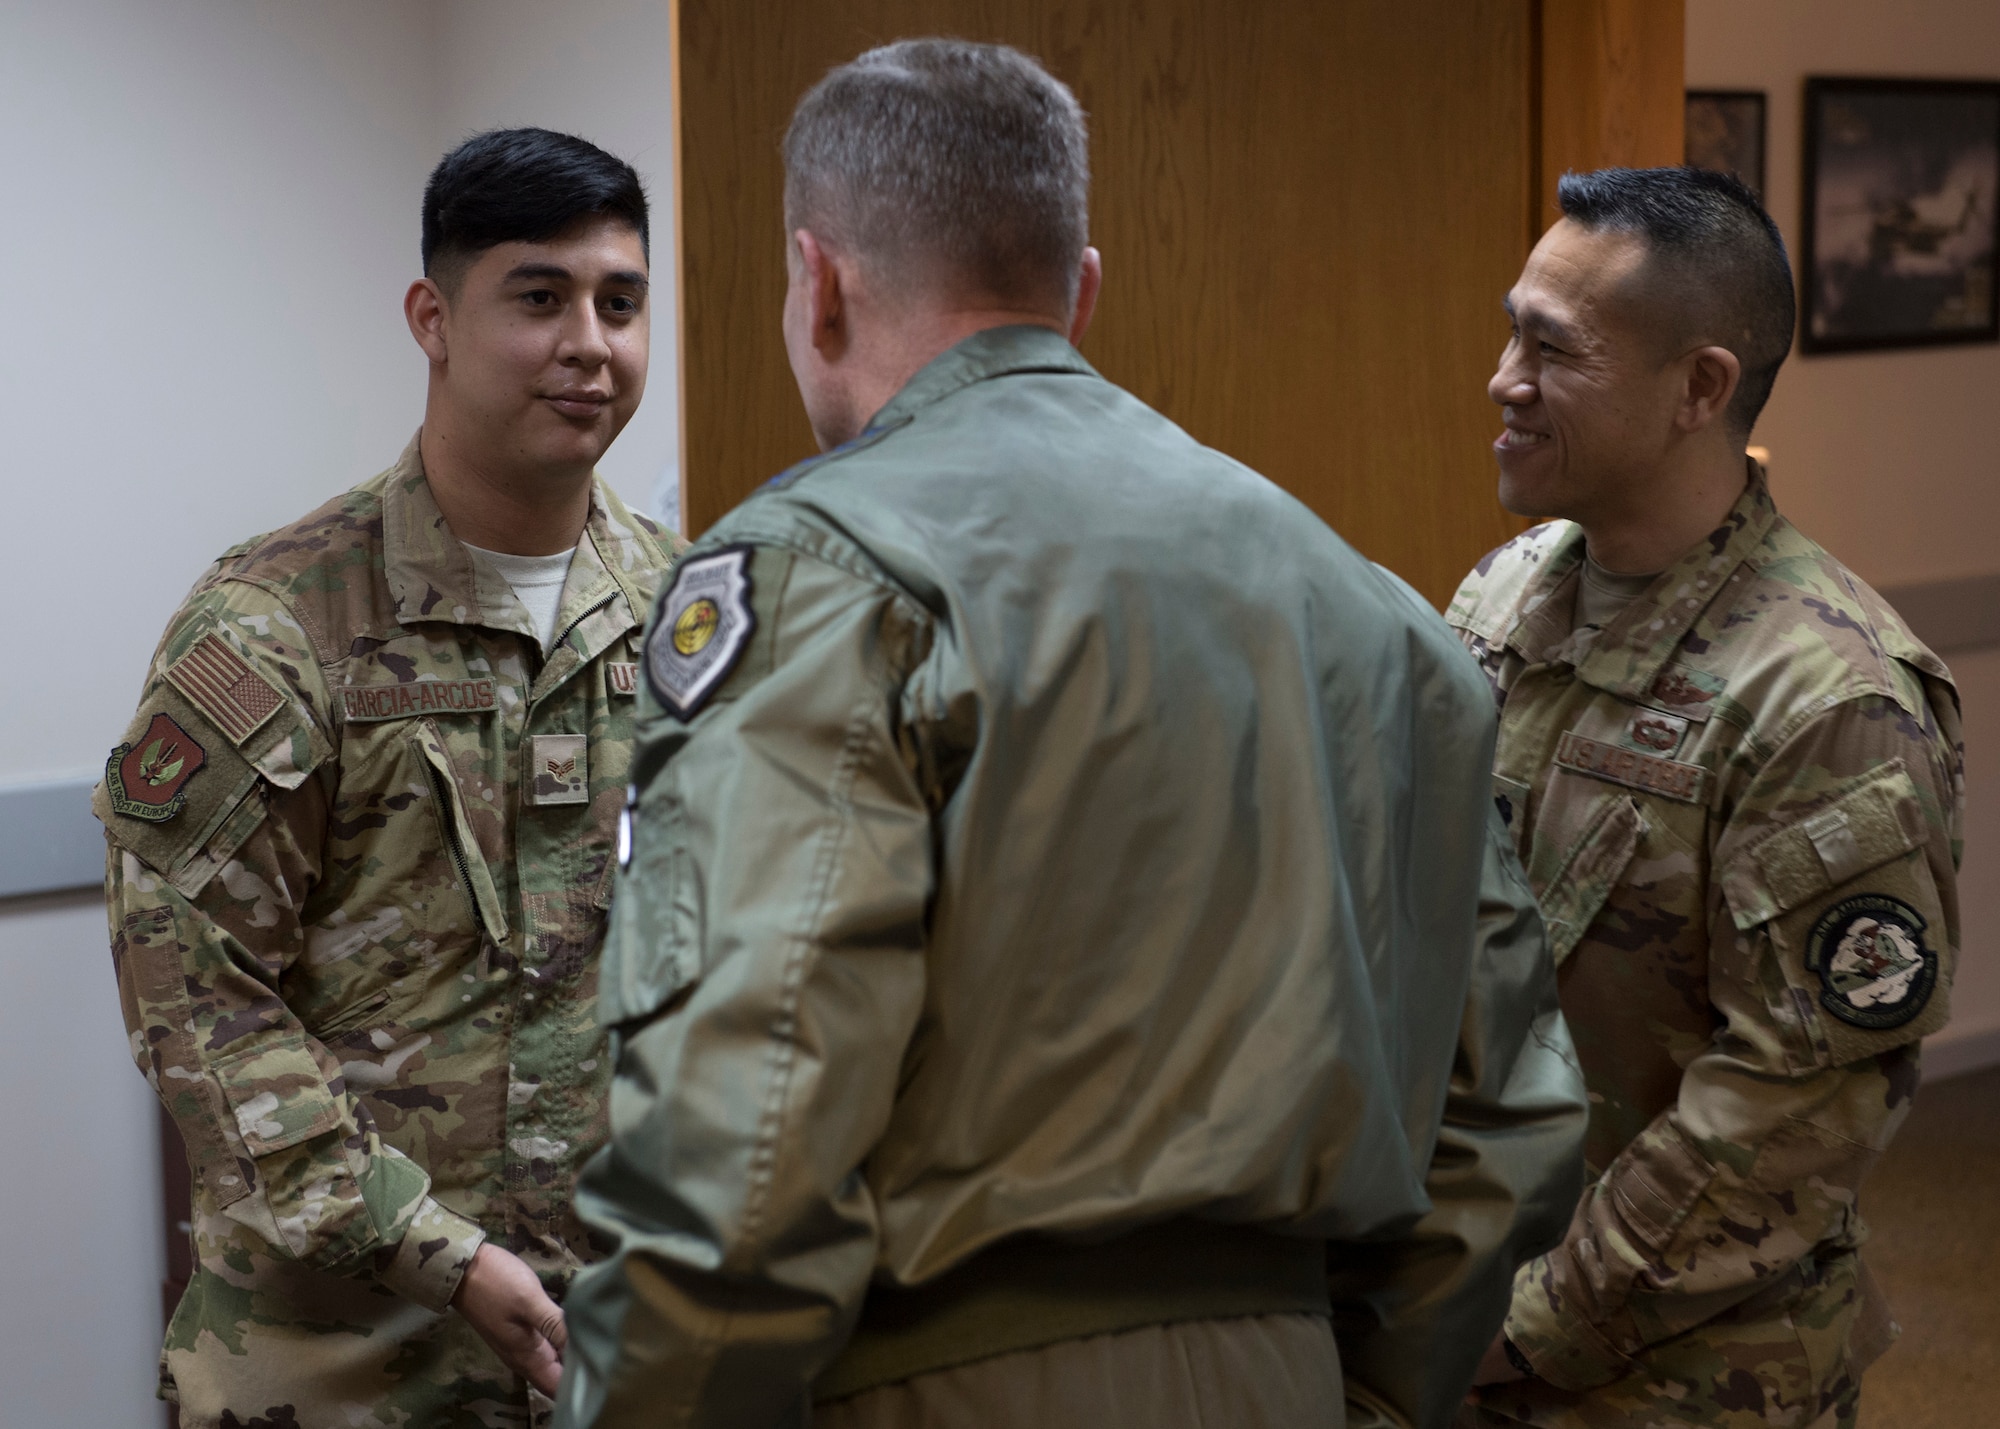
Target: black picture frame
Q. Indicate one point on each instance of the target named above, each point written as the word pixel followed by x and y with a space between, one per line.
pixel 1898 214
pixel 1726 131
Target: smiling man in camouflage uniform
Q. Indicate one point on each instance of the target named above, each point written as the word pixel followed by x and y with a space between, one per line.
pixel 1734 777
pixel 360 841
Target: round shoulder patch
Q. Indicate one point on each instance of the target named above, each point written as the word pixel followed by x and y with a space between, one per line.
pixel 1873 967
pixel 703 624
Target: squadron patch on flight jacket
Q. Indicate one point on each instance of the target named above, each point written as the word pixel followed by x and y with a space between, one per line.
pixel 1873 967
pixel 704 622
pixel 148 779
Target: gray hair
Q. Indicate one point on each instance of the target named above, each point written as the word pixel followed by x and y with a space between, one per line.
pixel 955 166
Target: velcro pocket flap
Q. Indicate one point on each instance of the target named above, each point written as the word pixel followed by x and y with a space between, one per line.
pixel 278 1093
pixel 1879 818
pixel 1576 890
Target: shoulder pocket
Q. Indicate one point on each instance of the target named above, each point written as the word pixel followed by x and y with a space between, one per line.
pixel 1876 820
pixel 1852 913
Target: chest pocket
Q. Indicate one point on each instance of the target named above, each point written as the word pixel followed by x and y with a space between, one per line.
pixel 1572 888
pixel 458 836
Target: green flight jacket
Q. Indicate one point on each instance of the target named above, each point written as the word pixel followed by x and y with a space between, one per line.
pixel 1073 835
pixel 360 836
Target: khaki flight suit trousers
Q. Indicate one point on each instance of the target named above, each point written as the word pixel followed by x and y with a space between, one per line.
pixel 1254 1372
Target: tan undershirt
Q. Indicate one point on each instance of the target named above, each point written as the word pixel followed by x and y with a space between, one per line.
pixel 1602 594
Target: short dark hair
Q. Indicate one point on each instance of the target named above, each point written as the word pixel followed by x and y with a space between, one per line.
pixel 952 163
pixel 521 186
pixel 1717 254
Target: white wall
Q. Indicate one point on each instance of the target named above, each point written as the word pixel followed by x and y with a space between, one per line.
pixel 212 216
pixel 1890 459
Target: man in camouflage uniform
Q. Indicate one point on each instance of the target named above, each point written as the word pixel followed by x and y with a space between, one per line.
pixel 1735 780
pixel 361 833
pixel 1067 975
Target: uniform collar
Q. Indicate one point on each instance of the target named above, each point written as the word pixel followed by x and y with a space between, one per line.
pixel 991 352
pixel 1628 656
pixel 433 577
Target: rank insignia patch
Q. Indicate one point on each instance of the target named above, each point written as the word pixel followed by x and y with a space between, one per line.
pixel 1873 967
pixel 557 769
pixel 148 780
pixel 704 623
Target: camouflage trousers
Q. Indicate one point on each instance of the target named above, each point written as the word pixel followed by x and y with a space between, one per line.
pixel 1790 1360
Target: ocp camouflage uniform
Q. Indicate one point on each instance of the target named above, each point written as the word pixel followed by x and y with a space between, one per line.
pixel 1739 806
pixel 359 841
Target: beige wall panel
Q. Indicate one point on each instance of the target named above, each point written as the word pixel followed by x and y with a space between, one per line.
pixel 1308 214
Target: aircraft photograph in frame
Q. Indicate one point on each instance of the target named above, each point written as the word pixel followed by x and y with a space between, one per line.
pixel 1901 177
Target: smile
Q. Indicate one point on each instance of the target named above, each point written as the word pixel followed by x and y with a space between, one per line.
pixel 1514 439
pixel 578 404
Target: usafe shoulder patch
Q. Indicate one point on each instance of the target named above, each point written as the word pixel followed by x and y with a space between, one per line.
pixel 148 779
pixel 621 677
pixel 1668 777
pixel 705 621
pixel 218 682
pixel 360 704
pixel 1874 970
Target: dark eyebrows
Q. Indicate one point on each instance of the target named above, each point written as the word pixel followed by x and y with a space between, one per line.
pixel 1541 322
pixel 555 272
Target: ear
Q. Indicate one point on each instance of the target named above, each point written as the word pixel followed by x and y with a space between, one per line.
pixel 826 309
pixel 1089 282
pixel 1712 377
pixel 424 310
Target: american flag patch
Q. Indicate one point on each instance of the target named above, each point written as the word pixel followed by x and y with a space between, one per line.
pixel 236 699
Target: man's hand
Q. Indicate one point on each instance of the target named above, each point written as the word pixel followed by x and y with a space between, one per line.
pixel 1495 1367
pixel 503 1300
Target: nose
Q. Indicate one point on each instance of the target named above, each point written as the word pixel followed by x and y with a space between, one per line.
pixel 1512 384
pixel 584 343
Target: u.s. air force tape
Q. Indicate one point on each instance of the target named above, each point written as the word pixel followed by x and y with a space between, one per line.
pixel 705 622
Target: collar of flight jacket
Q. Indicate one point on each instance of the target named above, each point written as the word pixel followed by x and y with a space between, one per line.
pixel 990 352
pixel 433 577
pixel 1629 654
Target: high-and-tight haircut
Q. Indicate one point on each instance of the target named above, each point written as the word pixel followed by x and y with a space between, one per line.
pixel 520 186
pixel 946 167
pixel 1715 264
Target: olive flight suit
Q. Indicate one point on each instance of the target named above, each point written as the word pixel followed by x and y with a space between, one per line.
pixel 1067 932
pixel 1739 804
pixel 360 847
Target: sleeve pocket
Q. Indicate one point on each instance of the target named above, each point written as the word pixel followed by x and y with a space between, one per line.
pixel 1875 821
pixel 652 951
pixel 278 1094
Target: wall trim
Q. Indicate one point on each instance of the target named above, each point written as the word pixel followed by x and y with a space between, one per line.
pixel 1957 1056
pixel 1961 614
pixel 50 842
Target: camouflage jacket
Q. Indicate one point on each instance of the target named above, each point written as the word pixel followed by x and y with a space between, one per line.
pixel 360 840
pixel 1739 807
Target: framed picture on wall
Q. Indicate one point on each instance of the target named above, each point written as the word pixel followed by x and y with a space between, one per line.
pixel 1901 177
pixel 1725 132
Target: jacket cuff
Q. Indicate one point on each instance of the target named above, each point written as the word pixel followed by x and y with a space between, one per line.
pixel 1566 1351
pixel 431 1258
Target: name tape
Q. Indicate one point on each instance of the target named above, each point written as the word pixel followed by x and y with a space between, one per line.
pixel 1670 777
pixel 363 703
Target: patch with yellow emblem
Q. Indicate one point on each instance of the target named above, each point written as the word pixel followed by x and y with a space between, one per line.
pixel 703 625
